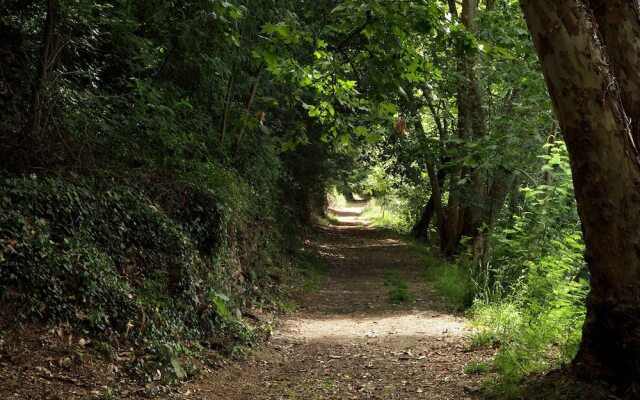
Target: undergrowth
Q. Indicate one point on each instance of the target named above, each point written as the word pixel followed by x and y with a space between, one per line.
pixel 336 199
pixel 534 331
pixel 399 291
pixel 535 323
pixel 452 281
pixel 475 367
pixel 118 267
pixel 313 268
pixel 528 298
pixel 387 213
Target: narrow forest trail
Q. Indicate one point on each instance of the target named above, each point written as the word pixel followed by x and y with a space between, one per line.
pixel 349 341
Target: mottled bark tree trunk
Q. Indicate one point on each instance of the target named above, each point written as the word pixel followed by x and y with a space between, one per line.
pixel 606 175
pixel 619 24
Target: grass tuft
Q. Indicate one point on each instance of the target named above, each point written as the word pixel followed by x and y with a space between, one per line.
pixel 475 367
pixel 313 268
pixel 387 214
pixel 453 281
pixel 399 292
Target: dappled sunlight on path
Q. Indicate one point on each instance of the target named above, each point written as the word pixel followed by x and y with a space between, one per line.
pixel 349 341
pixel 402 326
pixel 348 216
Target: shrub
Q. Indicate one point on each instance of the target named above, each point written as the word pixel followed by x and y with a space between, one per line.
pixel 453 281
pixel 110 262
pixel 312 267
pixel 399 292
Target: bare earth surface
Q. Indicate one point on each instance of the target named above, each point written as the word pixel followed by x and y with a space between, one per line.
pixel 348 341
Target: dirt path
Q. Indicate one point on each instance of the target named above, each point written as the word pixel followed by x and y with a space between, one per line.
pixel 349 341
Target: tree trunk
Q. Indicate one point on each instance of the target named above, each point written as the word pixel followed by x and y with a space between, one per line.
pixel 471 198
pixel 47 61
pixel 619 24
pixel 224 124
pixel 249 103
pixel 498 191
pixel 450 240
pixel 606 174
pixel 437 202
pixel 420 230
pixel 476 190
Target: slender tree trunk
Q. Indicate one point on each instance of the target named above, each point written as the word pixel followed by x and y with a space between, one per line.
pixel 250 101
pixel 47 61
pixel 465 211
pixel 499 189
pixel 469 12
pixel 437 201
pixel 606 175
pixel 227 102
pixel 450 241
pixel 420 230
pixel 476 191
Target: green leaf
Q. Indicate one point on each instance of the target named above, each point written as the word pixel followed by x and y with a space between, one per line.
pixel 177 368
pixel 361 131
pixel 281 29
pixel 387 109
pixel 337 8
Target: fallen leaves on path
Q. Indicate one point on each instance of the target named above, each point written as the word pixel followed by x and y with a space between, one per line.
pixel 348 341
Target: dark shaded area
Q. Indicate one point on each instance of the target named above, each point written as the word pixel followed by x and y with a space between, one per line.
pixel 563 385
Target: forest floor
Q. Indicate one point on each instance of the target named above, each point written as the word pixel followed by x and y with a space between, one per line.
pixel 348 340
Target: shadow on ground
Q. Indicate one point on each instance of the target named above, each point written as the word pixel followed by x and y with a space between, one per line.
pixel 349 341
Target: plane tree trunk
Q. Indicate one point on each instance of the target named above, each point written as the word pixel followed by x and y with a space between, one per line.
pixel 606 174
pixel 619 24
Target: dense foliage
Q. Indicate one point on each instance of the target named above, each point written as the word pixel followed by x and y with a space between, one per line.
pixel 158 160
pixel 517 261
pixel 145 196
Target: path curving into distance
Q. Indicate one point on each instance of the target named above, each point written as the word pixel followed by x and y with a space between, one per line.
pixel 349 341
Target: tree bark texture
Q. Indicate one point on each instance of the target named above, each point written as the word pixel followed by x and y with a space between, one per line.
pixel 420 230
pixel 465 212
pixel 618 22
pixel 606 175
pixel 437 201
pixel 47 63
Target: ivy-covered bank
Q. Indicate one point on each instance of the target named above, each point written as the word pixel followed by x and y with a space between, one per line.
pixel 166 272
pixel 146 201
